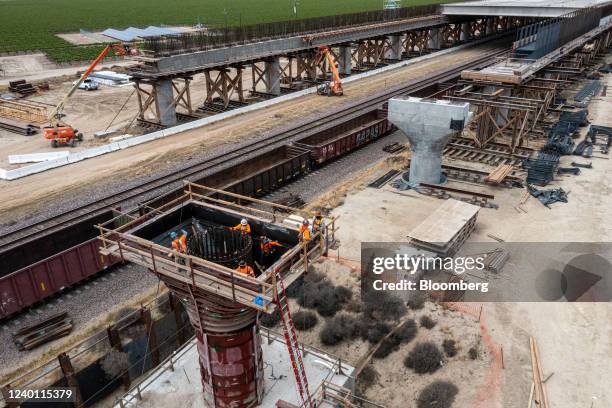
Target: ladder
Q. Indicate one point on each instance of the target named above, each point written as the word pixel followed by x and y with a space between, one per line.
pixel 292 344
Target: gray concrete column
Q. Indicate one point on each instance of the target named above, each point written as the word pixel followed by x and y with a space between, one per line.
pixel 434 41
pixel 428 125
pixel 165 102
pixel 395 51
pixel 272 72
pixel 465 28
pixel 344 59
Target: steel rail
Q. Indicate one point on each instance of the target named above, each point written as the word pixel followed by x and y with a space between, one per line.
pixel 302 130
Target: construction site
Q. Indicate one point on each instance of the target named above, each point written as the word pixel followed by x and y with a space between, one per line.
pixel 407 207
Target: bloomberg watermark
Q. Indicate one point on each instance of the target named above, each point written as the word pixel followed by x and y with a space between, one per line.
pixel 490 272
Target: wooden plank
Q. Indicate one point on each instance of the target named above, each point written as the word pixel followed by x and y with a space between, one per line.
pixel 445 222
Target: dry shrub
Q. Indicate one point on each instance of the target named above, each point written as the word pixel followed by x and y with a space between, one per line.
pixel 439 394
pixel 473 353
pixel 382 306
pixel 270 320
pixel 341 327
pixel 343 294
pixel 305 320
pixel 424 358
pixel 427 322
pixel 416 301
pixel 450 347
pixel 377 331
pixel 114 363
pixel 403 334
pixel 367 377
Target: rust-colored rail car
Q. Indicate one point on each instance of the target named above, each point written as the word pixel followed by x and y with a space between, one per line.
pixel 49 276
pixel 255 177
pixel 347 137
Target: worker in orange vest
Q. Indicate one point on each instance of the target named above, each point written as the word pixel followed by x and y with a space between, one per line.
pixel 243 227
pixel 179 243
pixel 305 231
pixel 245 269
pixel 266 246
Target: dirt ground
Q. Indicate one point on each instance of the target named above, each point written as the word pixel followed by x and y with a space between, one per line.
pixel 25 195
pixel 575 343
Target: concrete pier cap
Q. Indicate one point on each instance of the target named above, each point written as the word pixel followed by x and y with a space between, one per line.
pixel 428 124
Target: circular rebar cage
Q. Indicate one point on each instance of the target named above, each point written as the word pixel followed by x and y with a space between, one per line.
pixel 219 245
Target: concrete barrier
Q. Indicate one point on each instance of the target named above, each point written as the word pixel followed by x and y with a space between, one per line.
pixel 36 157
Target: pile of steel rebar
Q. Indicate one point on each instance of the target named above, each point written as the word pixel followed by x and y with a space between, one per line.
pixel 541 169
pixel 548 197
pixel 496 259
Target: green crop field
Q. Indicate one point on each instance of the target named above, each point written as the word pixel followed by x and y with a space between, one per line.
pixel 31 25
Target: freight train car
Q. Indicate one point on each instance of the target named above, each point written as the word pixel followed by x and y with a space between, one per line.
pixel 346 137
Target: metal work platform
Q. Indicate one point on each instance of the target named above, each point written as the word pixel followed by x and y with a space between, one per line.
pixel 144 241
pixel 518 8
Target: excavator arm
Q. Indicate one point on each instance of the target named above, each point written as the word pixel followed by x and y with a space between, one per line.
pixel 333 87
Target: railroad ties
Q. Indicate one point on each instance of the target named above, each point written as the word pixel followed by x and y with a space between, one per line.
pixel 494 154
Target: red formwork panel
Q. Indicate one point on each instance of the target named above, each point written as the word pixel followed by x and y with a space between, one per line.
pixel 45 278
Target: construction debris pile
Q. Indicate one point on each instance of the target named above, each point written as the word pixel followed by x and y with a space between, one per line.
pixel 550 196
pixel 587 92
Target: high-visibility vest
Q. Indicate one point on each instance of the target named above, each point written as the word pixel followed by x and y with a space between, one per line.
pixel 247 270
pixel 266 247
pixel 243 228
pixel 306 235
pixel 316 224
pixel 180 244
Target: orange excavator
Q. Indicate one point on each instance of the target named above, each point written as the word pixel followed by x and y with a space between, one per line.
pixel 60 133
pixel 333 87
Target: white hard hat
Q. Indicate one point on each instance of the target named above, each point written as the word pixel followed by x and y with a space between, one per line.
pixel 243 221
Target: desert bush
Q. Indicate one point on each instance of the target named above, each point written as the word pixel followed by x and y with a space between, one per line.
pixel 377 331
pixel 473 353
pixel 382 306
pixel 343 294
pixel 416 301
pixel 450 347
pixel 439 394
pixel 424 358
pixel 407 331
pixel 305 320
pixel 270 320
pixel 367 377
pixel 427 322
pixel 341 327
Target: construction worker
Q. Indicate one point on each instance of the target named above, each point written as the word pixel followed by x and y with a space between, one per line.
pixel 305 234
pixel 266 247
pixel 317 222
pixel 245 269
pixel 243 227
pixel 179 242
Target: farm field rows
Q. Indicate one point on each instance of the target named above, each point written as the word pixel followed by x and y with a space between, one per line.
pixel 31 25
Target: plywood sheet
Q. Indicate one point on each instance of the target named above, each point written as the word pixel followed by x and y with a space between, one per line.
pixel 445 222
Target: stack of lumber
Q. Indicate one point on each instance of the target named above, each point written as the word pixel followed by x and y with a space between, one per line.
pixel 539 393
pixel 500 173
pixel 446 229
pixel 53 327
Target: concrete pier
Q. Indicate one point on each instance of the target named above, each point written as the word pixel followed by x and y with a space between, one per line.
pixel 165 102
pixel 428 124
pixel 272 68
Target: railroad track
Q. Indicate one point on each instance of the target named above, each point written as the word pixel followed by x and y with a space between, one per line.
pixel 303 129
pixel 494 155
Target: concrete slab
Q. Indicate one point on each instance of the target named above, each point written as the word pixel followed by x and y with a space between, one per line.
pixel 181 384
pixel 519 8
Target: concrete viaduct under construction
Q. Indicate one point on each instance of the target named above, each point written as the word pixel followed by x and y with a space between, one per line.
pixel 283 56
